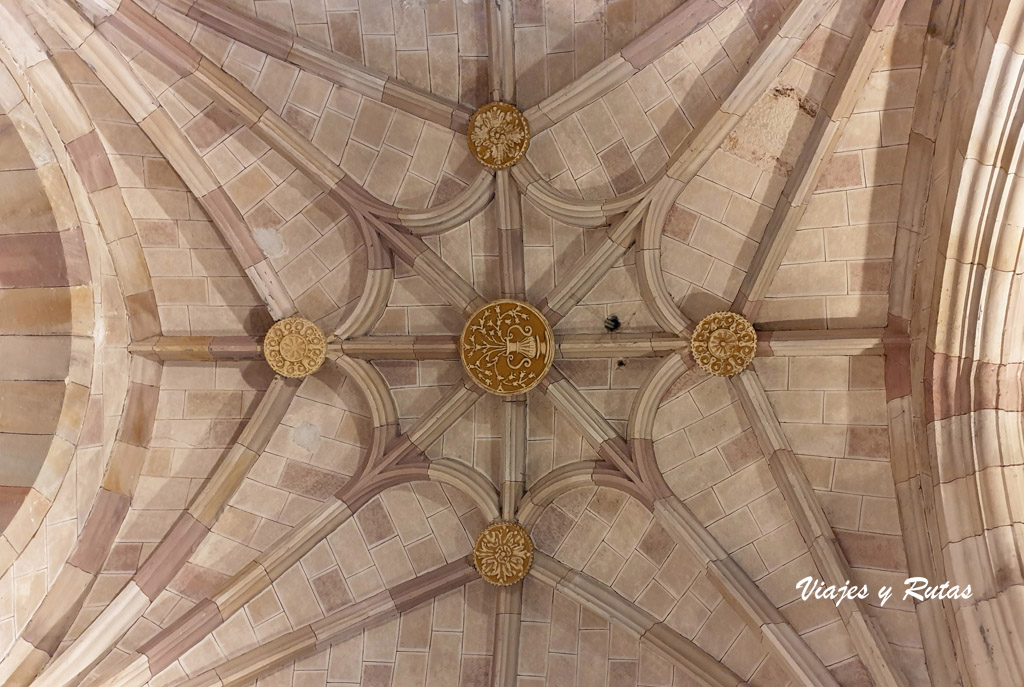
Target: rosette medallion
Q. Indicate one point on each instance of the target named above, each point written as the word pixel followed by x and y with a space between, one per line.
pixel 295 347
pixel 507 347
pixel 723 344
pixel 503 553
pixel 498 135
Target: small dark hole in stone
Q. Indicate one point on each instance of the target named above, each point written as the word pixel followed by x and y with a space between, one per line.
pixel 611 323
pixel 621 363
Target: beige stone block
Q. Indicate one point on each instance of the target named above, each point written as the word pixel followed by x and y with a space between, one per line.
pixel 155 203
pixel 816 440
pixel 865 477
pixel 25 202
pixel 574 146
pixel 855 407
pixel 874 205
pixel 880 515
pixel 745 486
pixel 38 358
pixel 732 172
pixel 698 474
pixel 430 151
pixel 706 197
pixel 179 290
pixel 896 126
pixel 275 82
pixel 598 125
pixel 202 403
pixel 297 598
pixel 819 372
pixel 826 210
pixel 781 546
pixel 31 407
pixel 869 277
pixel 386 174
pixel 357 160
pixel 629 114
pixel 649 87
pixel 858 310
pixel 860 242
pixel 372 122
pixel 889 90
pixel 264 606
pixel 249 187
pixel 863 131
pixel 717 428
pixel 843 511
pixel 723 243
pixel 310 92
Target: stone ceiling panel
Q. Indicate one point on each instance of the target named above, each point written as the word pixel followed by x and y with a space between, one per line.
pixel 252 161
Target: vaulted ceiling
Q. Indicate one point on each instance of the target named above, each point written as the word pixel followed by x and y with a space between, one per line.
pixel 178 175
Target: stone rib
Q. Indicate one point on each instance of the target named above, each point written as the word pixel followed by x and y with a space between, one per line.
pixel 609 604
pixel 742 593
pixel 249 666
pixel 147 112
pixel 801 343
pixel 260 35
pixel 868 638
pixel 829 124
pixel 614 71
pixel 764 66
pixel 173 551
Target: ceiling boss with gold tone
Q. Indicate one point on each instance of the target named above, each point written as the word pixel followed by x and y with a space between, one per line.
pixel 295 347
pixel 503 553
pixel 723 344
pixel 498 135
pixel 507 347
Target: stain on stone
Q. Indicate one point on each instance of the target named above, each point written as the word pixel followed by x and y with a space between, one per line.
pixel 270 241
pixel 774 130
pixel 307 435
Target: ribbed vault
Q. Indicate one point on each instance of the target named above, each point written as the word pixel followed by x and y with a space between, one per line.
pixel 184 173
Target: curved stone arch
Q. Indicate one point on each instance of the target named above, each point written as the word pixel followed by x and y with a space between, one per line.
pixel 153 119
pixel 380 276
pixel 972 368
pixel 188 532
pixel 270 565
pixel 470 482
pixel 642 413
pixel 775 52
pixel 648 265
pixel 950 439
pixel 457 211
pixel 616 70
pixel 258 34
pixel 60 119
pixel 384 412
pixel 574 476
pixel 117 508
pixel 75 298
pixel 267 125
pixel 570 210
pixel 253 112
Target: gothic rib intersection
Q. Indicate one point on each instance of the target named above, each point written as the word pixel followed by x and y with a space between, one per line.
pixel 394 459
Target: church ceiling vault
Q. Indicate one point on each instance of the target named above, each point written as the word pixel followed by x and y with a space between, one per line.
pixel 424 343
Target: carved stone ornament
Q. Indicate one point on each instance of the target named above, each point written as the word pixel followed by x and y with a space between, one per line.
pixel 723 344
pixel 498 135
pixel 507 347
pixel 503 553
pixel 295 347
